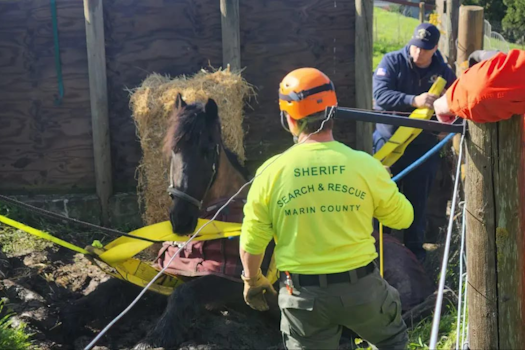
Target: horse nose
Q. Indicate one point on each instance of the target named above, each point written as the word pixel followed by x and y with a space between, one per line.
pixel 183 224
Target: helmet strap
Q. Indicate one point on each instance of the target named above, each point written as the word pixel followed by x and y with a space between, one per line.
pixel 329 114
pixel 302 126
pixel 283 123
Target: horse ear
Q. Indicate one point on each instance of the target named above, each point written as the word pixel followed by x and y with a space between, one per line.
pixel 211 108
pixel 179 102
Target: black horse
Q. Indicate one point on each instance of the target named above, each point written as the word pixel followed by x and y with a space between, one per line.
pixel 203 174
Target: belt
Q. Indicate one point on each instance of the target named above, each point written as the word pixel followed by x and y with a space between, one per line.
pixel 342 277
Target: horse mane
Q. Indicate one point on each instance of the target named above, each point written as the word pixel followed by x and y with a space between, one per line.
pixel 234 160
pixel 185 128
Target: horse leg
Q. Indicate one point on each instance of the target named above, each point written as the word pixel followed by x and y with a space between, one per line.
pixel 106 301
pixel 185 305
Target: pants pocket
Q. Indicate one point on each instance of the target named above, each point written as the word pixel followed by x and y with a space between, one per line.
pixel 391 307
pixel 296 312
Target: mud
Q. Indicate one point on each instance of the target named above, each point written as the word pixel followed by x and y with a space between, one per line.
pixel 45 290
pixel 41 287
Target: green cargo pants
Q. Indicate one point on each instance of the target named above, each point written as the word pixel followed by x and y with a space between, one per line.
pixel 313 317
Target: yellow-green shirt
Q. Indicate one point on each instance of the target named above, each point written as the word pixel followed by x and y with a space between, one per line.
pixel 318 201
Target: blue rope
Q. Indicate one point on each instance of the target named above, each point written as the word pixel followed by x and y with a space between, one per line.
pixel 58 67
pixel 421 160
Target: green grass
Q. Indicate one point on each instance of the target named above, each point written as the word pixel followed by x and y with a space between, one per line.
pixel 12 337
pixel 495 44
pixel 419 336
pixel 392 31
pixel 16 242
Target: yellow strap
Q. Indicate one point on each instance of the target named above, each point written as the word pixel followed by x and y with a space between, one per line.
pixel 119 253
pixel 124 248
pixel 139 273
pixel 394 148
pixel 41 234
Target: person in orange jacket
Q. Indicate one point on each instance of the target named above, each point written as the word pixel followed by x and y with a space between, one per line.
pixel 490 91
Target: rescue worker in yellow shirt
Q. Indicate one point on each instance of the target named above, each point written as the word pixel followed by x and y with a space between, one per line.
pixel 318 201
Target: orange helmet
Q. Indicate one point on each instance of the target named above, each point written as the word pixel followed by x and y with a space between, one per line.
pixel 306 91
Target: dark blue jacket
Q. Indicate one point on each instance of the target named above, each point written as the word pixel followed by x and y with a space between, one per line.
pixel 397 81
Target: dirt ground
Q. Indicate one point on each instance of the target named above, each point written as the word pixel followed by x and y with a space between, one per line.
pixel 40 284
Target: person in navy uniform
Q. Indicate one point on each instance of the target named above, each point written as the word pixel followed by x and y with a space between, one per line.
pixel 401 83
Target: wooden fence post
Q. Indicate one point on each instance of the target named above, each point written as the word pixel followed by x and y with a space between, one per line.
pixel 453 15
pixel 507 149
pixel 364 43
pixel 96 53
pixel 470 33
pixel 496 206
pixel 481 203
pixel 481 243
pixel 231 37
pixel 422 12
pixel 441 11
pixel 449 9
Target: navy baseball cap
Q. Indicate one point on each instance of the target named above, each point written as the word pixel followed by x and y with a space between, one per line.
pixel 426 36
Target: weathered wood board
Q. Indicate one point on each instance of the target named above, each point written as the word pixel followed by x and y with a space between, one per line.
pixel 316 34
pixel 43 146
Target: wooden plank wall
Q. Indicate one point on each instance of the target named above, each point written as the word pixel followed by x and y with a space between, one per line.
pixel 48 148
pixel 43 146
pixel 315 33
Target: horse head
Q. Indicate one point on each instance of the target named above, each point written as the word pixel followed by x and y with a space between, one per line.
pixel 193 142
pixel 202 169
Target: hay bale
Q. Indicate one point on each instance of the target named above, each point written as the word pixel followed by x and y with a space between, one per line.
pixel 151 105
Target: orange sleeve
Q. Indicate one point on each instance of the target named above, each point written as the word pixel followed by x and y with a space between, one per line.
pixel 492 90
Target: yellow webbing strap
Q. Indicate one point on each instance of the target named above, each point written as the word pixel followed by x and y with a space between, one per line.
pixel 119 261
pixel 41 234
pixel 394 148
pixel 124 248
pixel 140 273
pixel 119 253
